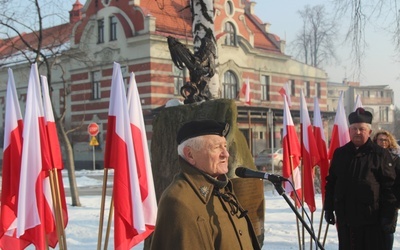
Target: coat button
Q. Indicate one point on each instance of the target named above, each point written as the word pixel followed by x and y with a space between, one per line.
pixel 240 232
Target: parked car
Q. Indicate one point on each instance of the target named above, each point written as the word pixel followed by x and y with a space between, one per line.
pixel 264 159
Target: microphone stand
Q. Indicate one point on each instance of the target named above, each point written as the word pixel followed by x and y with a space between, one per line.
pixel 281 192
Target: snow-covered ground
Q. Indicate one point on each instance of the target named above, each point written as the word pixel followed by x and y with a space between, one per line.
pixel 281 231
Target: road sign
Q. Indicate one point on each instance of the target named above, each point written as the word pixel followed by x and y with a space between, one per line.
pixel 93 129
pixel 93 141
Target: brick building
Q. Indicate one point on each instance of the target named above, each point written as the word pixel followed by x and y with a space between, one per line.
pixel 134 34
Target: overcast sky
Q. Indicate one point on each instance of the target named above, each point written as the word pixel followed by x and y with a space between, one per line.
pixel 380 66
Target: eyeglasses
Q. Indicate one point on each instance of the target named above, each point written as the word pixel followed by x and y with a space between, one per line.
pixel 383 140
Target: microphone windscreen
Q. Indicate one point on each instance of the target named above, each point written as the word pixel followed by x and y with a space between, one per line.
pixel 240 171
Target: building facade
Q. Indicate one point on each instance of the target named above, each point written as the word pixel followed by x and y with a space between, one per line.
pixel 377 99
pixel 134 34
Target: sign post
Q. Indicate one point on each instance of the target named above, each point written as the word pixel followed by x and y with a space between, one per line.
pixel 93 130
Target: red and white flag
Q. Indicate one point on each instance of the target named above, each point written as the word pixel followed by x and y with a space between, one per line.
pixel 143 164
pixel 357 103
pixel 321 145
pixel 30 198
pixel 310 154
pixel 246 91
pixel 284 91
pixel 56 164
pixel 291 155
pixel 12 152
pixel 340 132
pixel 120 155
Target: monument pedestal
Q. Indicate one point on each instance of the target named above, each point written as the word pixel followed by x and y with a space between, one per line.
pixel 164 156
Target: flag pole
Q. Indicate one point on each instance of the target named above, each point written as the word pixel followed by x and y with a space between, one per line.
pixel 54 184
pixel 102 205
pixel 294 185
pixel 109 223
pixel 302 181
pixel 56 209
pixel 326 233
pixel 320 224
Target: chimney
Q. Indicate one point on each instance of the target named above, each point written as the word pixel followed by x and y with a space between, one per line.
pixel 75 14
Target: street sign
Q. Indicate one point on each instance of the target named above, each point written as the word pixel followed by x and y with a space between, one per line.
pixel 93 141
pixel 93 129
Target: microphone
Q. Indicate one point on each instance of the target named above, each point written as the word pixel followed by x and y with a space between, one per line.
pixel 248 173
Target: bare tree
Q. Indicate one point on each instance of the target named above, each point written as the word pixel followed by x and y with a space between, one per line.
pixel 315 42
pixel 31 20
pixel 384 14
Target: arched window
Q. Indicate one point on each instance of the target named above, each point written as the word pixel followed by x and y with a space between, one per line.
pixel 230 85
pixel 230 38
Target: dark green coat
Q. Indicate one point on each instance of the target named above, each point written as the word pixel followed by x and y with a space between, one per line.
pixel 190 216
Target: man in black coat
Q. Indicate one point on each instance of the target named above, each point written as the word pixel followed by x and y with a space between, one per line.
pixel 358 189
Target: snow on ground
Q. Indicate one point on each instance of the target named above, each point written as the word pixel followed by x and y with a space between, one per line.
pixel 281 230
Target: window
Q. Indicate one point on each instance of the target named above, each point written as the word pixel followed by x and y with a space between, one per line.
pixel 365 93
pixel 230 38
pixel 179 79
pixel 113 28
pixel 306 89
pixel 292 87
pixel 100 31
pixel 318 90
pixel 265 88
pixel 96 87
pixel 229 7
pixel 230 85
pixel 383 114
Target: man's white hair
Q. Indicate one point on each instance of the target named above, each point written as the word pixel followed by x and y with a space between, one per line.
pixel 195 143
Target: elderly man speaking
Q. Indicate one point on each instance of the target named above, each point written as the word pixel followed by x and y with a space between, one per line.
pixel 198 210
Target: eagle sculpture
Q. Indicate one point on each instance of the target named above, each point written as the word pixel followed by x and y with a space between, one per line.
pixel 201 66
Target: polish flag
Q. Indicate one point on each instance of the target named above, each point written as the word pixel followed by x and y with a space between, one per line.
pixel 310 154
pixel 47 220
pixel 291 155
pixel 129 218
pixel 340 132
pixel 321 145
pixel 284 91
pixel 56 164
pixel 143 165
pixel 12 153
pixel 246 91
pixel 357 103
pixel 30 197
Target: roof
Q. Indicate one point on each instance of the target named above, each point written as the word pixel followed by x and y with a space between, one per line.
pixel 173 17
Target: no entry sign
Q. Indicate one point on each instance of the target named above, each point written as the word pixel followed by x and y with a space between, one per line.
pixel 93 129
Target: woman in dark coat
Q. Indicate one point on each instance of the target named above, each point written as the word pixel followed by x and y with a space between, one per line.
pixel 386 140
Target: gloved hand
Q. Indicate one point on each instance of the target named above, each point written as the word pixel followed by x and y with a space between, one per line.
pixel 330 217
pixel 387 225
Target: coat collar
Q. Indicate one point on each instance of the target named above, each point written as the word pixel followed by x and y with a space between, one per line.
pixel 367 147
pixel 201 183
